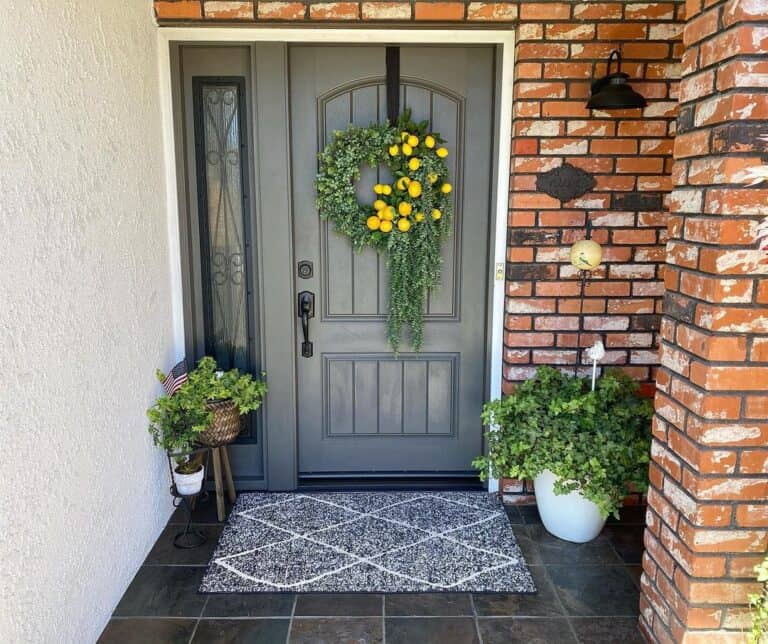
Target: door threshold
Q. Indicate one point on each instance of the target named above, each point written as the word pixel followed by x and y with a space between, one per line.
pixel 420 484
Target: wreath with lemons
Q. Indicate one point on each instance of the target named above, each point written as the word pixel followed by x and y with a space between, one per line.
pixel 408 217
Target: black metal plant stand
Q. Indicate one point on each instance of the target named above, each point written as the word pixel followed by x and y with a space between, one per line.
pixel 189 537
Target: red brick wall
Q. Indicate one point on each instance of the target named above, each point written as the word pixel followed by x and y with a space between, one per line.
pixel 708 514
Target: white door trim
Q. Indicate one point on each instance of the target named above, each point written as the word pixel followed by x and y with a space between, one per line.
pixel 362 34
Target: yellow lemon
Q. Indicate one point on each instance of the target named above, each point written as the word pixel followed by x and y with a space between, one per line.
pixel 429 141
pixel 407 149
pixel 446 188
pixel 386 226
pixel 388 214
pixel 436 214
pixel 414 189
pixel 386 190
pixel 419 216
pixel 378 204
pixel 432 177
pixel 393 150
pixel 414 164
pixel 373 222
pixel 413 141
pixel 404 208
pixel 403 225
pixel 378 189
pixel 404 136
pixel 442 153
pixel 402 183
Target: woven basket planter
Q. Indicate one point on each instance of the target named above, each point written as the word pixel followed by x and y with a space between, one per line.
pixel 225 425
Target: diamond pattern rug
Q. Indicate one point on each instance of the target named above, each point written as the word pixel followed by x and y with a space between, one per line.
pixel 383 542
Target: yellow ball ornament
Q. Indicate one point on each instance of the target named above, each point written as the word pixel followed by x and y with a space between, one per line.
pixel 436 214
pixel 394 150
pixel 373 222
pixel 429 141
pixel 414 189
pixel 442 153
pixel 379 205
pixel 387 213
pixel 432 177
pixel 414 164
pixel 407 149
pixel 404 208
pixel 413 141
pixel 419 216
pixel 404 136
pixel 402 183
pixel 586 255
pixel 446 188
pixel 378 189
pixel 403 225
pixel 386 189
pixel 386 226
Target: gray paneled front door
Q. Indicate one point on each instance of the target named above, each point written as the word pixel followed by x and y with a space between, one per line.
pixel 361 410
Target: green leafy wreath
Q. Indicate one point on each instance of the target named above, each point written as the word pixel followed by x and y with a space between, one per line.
pixel 408 218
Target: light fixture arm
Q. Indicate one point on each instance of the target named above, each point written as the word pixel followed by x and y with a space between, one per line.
pixel 614 55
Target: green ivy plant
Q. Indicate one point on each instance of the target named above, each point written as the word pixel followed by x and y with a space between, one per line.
pixel 176 421
pixel 412 241
pixel 595 442
pixel 759 605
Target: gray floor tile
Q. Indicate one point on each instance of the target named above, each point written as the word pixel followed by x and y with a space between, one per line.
pixel 544 603
pixel 607 630
pixel 241 631
pixel 163 591
pixel 528 546
pixel 428 604
pixel 530 514
pixel 627 540
pixel 339 605
pixel 557 551
pixel 352 630
pixel 249 605
pixel 596 590
pixel 526 631
pixel 165 553
pixel 141 631
pixel 431 630
pixel 515 518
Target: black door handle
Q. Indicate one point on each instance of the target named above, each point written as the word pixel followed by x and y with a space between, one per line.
pixel 306 310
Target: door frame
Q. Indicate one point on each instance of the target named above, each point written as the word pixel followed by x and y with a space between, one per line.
pixel 504 41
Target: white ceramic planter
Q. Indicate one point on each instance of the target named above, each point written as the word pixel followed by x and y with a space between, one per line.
pixel 567 516
pixel 188 484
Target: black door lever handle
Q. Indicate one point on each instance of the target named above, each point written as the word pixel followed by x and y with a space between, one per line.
pixel 306 310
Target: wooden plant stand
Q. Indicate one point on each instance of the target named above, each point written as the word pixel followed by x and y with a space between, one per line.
pixel 221 459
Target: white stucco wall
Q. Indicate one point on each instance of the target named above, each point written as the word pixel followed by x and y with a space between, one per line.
pixel 84 311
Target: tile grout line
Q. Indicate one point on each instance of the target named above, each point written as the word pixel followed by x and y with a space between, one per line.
pixel 383 618
pixel 562 606
pixel 290 619
pixel 197 622
pixel 474 618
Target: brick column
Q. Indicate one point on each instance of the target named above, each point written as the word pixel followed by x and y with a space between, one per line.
pixel 708 512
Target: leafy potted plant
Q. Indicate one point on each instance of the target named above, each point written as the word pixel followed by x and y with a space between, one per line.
pixel 179 422
pixel 585 450
pixel 759 605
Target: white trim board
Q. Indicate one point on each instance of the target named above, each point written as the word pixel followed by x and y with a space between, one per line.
pixel 363 34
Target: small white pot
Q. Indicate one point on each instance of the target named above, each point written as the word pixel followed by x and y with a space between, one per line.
pixel 188 484
pixel 567 516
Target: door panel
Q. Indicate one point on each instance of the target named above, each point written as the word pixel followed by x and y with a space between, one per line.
pixel 361 410
pixel 223 311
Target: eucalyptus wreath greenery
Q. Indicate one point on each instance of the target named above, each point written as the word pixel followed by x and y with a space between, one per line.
pixel 408 219
pixel 595 442
pixel 176 421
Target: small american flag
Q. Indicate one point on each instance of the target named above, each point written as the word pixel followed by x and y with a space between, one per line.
pixel 175 378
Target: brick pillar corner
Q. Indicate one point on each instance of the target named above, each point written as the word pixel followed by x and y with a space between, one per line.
pixel 707 524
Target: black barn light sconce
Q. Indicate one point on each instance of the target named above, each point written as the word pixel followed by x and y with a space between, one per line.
pixel 613 92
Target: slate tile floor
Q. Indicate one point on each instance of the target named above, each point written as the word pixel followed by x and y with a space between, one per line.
pixel 587 594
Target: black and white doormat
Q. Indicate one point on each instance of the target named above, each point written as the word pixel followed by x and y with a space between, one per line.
pixel 384 542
